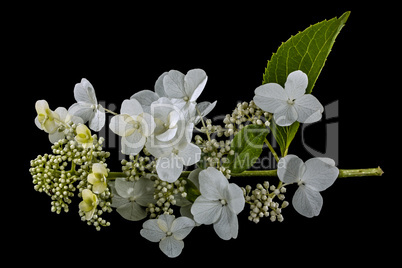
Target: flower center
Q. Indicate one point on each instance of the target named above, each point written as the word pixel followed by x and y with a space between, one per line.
pixel 299 183
pixel 223 202
pixel 175 151
pixel 169 233
pixel 291 102
pixel 186 98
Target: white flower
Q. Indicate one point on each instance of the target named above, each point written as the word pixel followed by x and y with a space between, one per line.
pixel 54 123
pixel 169 232
pixel 168 119
pixel 130 197
pixel 133 125
pixel 290 104
pixel 174 154
pixel 65 118
pixel 314 176
pixel 87 106
pixel 182 90
pixel 98 178
pixel 88 204
pixel 46 119
pixel 219 203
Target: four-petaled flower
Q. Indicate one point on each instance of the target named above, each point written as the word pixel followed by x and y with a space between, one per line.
pixel 84 136
pixel 98 178
pixel 314 176
pixel 289 104
pixel 87 106
pixel 219 203
pixel 169 232
pixel 46 119
pixel 133 125
pixel 88 203
pixel 130 197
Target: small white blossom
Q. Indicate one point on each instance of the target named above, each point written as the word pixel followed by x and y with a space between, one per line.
pixel 169 232
pixel 219 203
pixel 46 119
pixel 173 155
pixel 314 176
pixel 133 125
pixel 289 104
pixel 87 106
pixel 131 197
pixel 65 119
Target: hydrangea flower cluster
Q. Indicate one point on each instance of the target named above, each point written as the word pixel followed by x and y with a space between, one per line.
pixel 156 129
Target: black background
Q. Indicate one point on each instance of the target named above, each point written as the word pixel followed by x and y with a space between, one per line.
pixel 122 50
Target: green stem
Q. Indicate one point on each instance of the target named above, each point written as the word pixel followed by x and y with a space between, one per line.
pixel 272 150
pixel 343 173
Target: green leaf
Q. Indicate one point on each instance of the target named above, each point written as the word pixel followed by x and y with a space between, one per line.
pixel 306 51
pixel 247 146
pixel 191 190
pixel 284 135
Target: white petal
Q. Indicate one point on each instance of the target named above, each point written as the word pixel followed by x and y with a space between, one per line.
pixel 165 222
pixel 167 135
pixel 124 188
pixel 133 144
pixel 190 155
pixel 147 124
pixel 296 84
pixel 213 184
pixel 151 231
pixel 121 124
pixel 97 122
pixel 82 110
pixel 290 169
pixel 84 92
pixel 227 226
pixel 169 168
pixel 320 173
pixel 307 201
pixel 159 89
pixel 285 115
pixel 171 247
pixel 193 177
pixel 56 136
pixel 131 107
pixel 308 108
pixel 270 97
pixel 144 192
pixel 206 211
pixel 145 98
pixel 173 84
pixel 181 227
pixel 118 201
pixel 194 83
pixel 132 211
pixel 204 108
pixel 235 198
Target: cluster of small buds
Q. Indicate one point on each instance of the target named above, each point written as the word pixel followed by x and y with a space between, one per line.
pixel 104 205
pixel 262 204
pixel 244 112
pixel 56 174
pixel 213 129
pixel 138 166
pixel 214 154
pixel 166 195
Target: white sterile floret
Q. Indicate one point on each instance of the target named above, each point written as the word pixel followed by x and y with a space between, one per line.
pixel 65 120
pixel 289 104
pixel 46 119
pixel 168 118
pixel 314 176
pixel 169 232
pixel 219 203
pixel 133 125
pixel 174 154
pixel 87 106
pixel 132 197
